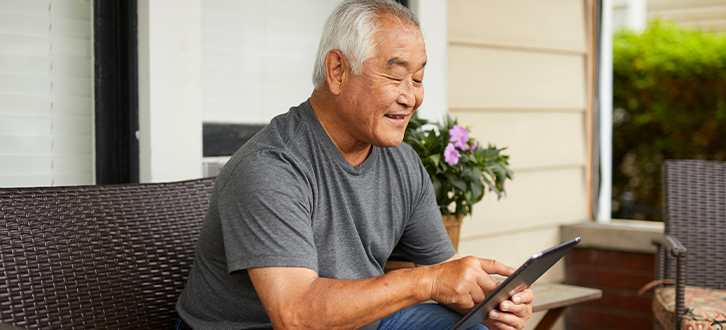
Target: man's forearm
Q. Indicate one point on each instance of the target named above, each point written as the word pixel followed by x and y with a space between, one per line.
pixel 338 304
pixel 353 304
pixel 296 298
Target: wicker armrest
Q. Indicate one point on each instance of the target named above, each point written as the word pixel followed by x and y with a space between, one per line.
pixel 678 251
pixel 672 244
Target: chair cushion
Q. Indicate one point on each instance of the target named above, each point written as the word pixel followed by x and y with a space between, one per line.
pixel 705 309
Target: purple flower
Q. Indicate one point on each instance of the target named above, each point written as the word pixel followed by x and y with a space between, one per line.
pixel 473 146
pixel 451 155
pixel 460 136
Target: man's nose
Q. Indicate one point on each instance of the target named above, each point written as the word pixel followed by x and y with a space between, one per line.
pixel 406 94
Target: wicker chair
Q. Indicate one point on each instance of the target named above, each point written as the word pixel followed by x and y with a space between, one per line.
pixel 90 257
pixel 695 221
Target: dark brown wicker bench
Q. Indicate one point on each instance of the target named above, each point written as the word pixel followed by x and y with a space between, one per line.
pixel 90 257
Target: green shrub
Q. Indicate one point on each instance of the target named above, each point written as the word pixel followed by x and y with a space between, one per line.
pixel 669 101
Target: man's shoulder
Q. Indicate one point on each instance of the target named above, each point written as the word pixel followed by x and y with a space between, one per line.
pixel 278 144
pixel 283 133
pixel 283 130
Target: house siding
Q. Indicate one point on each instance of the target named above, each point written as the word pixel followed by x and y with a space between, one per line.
pixel 518 78
pixel 703 14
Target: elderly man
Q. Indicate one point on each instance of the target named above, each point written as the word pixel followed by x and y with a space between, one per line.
pixel 304 216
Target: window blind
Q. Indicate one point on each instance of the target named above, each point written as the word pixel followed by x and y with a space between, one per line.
pixel 46 122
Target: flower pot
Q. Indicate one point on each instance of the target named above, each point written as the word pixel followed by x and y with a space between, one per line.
pixel 453 225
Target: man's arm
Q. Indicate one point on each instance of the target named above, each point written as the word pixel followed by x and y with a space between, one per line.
pixel 296 298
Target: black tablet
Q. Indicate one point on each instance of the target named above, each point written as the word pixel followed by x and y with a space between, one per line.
pixel 519 281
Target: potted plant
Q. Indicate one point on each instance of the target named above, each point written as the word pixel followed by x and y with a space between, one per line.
pixel 460 169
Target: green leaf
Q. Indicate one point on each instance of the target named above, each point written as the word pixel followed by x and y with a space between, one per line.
pixel 477 189
pixel 436 159
pixel 437 185
pixel 432 141
pixel 456 181
pixel 476 174
pixel 469 197
pixel 489 171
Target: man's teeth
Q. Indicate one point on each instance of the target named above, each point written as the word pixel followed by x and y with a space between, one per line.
pixel 395 117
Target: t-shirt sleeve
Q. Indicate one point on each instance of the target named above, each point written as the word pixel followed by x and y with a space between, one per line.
pixel 425 240
pixel 265 214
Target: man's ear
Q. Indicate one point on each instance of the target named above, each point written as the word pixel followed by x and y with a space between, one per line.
pixel 335 65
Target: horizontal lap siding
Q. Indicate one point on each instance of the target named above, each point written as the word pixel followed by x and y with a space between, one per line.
pixel 488 77
pixel 676 4
pixel 703 14
pixel 549 25
pixel 518 78
pixel 533 139
pixel 535 200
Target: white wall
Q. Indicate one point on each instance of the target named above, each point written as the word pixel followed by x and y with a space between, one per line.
pixel 170 125
pixel 432 15
pixel 629 14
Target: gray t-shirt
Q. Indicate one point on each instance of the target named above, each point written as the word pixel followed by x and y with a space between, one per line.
pixel 289 198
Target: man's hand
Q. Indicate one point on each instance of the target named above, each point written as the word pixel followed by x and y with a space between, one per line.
pixel 461 283
pixel 512 313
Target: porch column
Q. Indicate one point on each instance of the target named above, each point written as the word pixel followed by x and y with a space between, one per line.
pixel 170 121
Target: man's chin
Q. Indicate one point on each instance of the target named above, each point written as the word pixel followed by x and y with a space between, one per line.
pixel 389 143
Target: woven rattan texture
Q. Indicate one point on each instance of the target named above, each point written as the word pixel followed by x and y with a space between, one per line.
pixel 90 257
pixel 695 213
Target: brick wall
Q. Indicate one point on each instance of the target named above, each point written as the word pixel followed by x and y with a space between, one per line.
pixel 619 275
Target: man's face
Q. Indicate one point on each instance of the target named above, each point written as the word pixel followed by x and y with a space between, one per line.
pixel 377 104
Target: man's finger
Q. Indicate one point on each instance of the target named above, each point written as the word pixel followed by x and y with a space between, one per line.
pixel 496 267
pixel 503 321
pixel 524 297
pixel 477 294
pixel 486 283
pixel 509 307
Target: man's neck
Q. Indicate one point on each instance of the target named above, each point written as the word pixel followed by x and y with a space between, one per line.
pixel 353 151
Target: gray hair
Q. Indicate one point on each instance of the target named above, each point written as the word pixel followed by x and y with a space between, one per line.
pixel 350 29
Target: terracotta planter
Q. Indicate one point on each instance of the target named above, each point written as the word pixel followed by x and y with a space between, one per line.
pixel 453 225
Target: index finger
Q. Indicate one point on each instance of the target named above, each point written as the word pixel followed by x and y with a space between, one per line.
pixel 496 267
pixel 486 283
